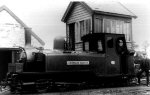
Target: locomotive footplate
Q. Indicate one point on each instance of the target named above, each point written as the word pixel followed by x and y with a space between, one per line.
pixel 57 76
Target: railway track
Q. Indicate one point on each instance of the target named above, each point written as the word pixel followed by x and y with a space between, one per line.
pixel 130 90
pixel 90 89
pixel 65 87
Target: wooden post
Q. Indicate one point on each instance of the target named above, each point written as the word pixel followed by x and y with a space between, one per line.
pixel 13 57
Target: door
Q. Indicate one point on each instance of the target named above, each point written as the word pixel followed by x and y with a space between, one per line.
pixel 5 58
pixel 72 36
pixel 112 58
pixel 121 50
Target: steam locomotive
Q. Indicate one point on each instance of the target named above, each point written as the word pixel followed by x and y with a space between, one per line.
pixel 104 58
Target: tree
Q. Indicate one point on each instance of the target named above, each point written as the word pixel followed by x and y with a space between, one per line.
pixel 135 46
pixel 145 46
pixel 138 57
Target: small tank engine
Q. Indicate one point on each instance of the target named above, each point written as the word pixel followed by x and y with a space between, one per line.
pixel 104 56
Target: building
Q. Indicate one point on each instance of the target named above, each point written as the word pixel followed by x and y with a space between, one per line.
pixel 82 18
pixel 14 34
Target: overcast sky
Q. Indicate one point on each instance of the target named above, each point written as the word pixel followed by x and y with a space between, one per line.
pixel 44 17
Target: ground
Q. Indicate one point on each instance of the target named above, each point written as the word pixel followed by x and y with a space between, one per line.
pixel 136 90
pixel 127 90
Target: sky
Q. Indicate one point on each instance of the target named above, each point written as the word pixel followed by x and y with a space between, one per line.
pixel 44 17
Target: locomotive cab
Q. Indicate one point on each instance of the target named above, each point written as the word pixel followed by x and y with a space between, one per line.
pixel 118 61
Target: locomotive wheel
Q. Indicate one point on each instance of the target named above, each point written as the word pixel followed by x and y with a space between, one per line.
pixel 16 85
pixel 52 86
pixel 42 85
pixel 3 84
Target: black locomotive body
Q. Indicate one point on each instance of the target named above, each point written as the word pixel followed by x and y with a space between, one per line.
pixel 104 56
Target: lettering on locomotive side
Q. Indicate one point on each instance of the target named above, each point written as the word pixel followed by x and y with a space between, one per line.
pixel 78 62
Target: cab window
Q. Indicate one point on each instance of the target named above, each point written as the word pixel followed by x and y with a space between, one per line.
pixel 94 46
pixel 120 43
pixel 86 46
pixel 100 46
pixel 109 42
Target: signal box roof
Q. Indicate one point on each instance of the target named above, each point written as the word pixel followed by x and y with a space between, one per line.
pixel 106 8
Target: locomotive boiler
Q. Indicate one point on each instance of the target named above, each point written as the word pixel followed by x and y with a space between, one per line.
pixel 104 58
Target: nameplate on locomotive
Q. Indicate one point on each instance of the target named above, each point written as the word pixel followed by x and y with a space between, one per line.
pixel 77 62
